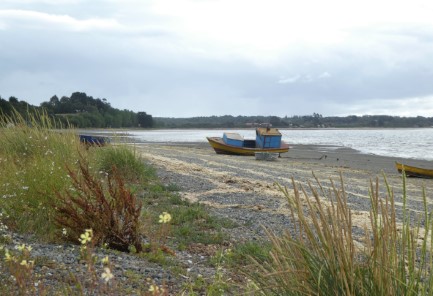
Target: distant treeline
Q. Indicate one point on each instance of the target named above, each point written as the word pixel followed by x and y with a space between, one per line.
pixel 308 121
pixel 82 111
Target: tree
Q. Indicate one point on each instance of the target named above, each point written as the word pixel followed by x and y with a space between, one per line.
pixel 144 120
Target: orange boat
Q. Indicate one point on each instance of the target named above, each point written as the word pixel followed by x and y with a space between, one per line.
pixel 411 171
pixel 267 140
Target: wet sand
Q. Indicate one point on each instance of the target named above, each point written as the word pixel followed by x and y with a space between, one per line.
pixel 243 189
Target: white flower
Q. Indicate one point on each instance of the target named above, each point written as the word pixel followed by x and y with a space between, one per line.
pixel 107 275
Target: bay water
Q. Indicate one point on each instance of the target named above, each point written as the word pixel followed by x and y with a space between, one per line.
pixel 407 143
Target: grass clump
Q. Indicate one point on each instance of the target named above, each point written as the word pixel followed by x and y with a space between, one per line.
pixel 242 253
pixel 321 256
pixel 127 162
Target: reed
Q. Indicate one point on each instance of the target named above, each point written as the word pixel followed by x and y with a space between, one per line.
pixel 322 257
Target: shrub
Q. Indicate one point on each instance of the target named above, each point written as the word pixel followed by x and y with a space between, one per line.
pixel 111 211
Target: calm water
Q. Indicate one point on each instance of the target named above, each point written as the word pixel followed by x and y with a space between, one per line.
pixel 407 143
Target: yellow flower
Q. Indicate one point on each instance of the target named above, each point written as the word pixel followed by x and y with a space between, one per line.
pixel 154 288
pixel 86 236
pixel 29 248
pixel 8 256
pixel 105 260
pixel 107 275
pixel 164 217
pixel 21 248
pixel 24 263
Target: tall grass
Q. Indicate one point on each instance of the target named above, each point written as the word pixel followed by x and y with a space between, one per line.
pixel 320 256
pixel 127 162
pixel 33 154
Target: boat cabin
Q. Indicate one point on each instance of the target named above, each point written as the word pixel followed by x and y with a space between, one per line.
pixel 268 138
pixel 233 139
pixel 265 138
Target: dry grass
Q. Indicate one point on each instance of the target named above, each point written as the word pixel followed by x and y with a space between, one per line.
pixel 320 256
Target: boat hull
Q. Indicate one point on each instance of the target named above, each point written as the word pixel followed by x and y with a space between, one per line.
pixel 92 140
pixel 220 147
pixel 411 171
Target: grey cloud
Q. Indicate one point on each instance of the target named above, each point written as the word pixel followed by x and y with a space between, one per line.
pixel 143 65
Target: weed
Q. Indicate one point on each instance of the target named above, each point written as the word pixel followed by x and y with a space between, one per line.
pixel 113 213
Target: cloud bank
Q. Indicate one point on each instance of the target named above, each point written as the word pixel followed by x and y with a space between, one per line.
pixel 199 58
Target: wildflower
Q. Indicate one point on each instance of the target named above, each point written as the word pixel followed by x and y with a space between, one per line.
pixel 24 263
pixel 64 232
pixel 105 260
pixel 86 236
pixel 107 275
pixel 154 289
pixel 8 256
pixel 21 248
pixel 29 248
pixel 164 217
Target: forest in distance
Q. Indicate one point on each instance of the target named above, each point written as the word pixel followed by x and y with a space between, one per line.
pixel 83 111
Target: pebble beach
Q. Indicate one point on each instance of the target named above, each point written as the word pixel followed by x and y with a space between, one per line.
pixel 244 190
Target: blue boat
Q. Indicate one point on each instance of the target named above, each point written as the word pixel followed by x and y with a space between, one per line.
pixel 92 140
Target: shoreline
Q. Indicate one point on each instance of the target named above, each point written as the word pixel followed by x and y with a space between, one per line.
pixel 325 154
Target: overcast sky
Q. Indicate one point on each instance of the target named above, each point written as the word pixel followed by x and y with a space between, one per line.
pixel 183 58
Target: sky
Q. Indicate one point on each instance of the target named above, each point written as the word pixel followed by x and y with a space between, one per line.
pixel 185 58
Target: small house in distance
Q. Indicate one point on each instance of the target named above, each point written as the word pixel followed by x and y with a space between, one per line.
pixel 268 138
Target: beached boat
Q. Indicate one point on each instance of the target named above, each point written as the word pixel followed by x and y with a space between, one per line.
pixel 411 171
pixel 267 140
pixel 93 140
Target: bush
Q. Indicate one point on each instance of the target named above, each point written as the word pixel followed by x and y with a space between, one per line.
pixel 111 211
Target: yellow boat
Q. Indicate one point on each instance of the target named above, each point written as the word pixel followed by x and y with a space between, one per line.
pixel 411 171
pixel 267 140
